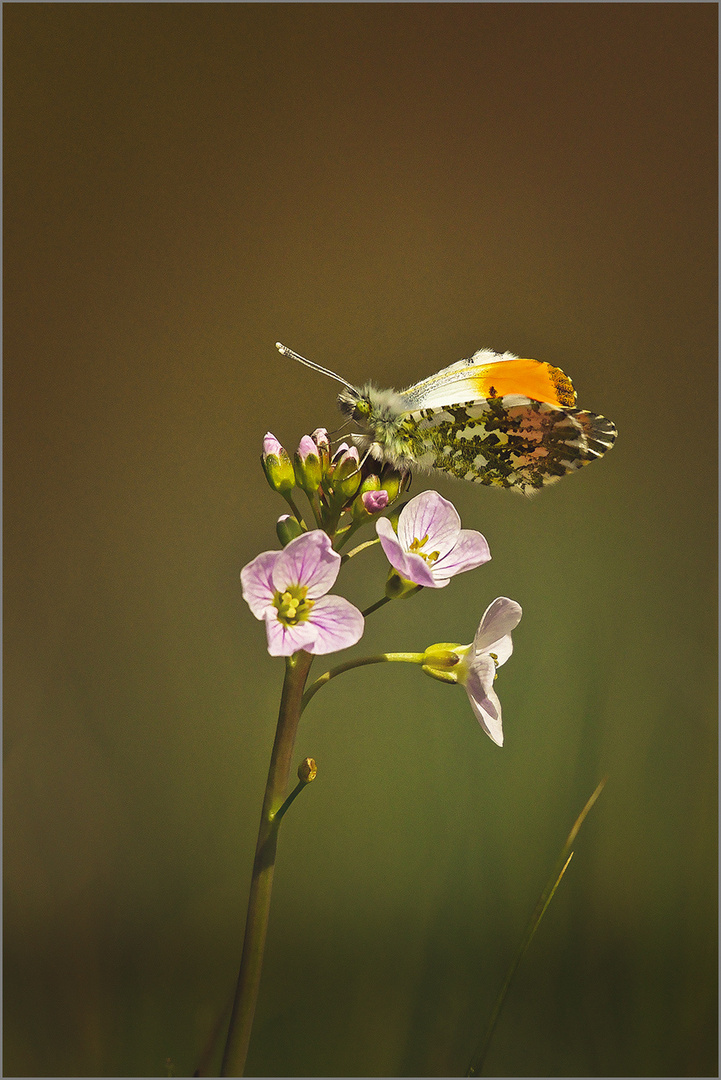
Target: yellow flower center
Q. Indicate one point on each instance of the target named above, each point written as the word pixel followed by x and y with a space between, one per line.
pixel 429 556
pixel 292 606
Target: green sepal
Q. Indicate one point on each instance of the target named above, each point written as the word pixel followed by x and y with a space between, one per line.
pixel 399 588
pixel 441 661
pixel 288 528
pixel 279 472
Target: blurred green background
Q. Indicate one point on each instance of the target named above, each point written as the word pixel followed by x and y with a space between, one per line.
pixel 385 188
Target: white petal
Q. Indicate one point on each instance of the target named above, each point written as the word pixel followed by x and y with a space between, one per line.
pixel 494 633
pixel 488 714
pixel 470 550
pixel 411 567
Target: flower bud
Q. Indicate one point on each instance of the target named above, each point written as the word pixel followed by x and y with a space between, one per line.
pixel 308 472
pixel 320 438
pixel 394 483
pixel 307 770
pixel 287 527
pixel 374 501
pixel 441 661
pixel 370 501
pixel 277 466
pixel 346 473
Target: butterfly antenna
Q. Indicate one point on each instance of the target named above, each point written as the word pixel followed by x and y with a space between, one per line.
pixel 316 367
pixel 345 424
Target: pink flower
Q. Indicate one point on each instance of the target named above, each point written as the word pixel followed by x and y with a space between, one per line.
pixel 288 590
pixel 431 547
pixel 476 671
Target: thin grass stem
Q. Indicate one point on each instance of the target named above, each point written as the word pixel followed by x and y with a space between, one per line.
pixel 477 1061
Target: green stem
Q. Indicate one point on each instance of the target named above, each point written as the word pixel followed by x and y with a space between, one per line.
pixel 315 507
pixel 361 547
pixel 402 658
pixel 374 607
pixel 296 512
pixel 343 535
pixel 290 800
pixel 256 926
pixel 476 1066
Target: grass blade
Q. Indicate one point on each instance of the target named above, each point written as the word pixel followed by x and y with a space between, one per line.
pixel 477 1061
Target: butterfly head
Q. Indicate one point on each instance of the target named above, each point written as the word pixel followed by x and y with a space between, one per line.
pixel 352 404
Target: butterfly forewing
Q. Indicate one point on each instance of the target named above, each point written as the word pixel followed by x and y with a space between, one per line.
pixel 488 374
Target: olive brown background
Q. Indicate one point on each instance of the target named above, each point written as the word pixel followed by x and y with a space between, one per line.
pixel 385 188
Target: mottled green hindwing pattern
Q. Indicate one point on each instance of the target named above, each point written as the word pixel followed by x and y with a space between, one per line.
pixel 509 442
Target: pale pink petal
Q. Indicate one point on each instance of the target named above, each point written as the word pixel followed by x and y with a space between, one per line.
pixel 418 570
pixel 320 438
pixel 471 550
pixel 487 711
pixel 494 633
pixel 285 640
pixel 429 514
pixel 336 625
pixel 411 567
pixel 257 581
pixel 308 560
pixel 481 671
pixel 271 445
pixel 306 447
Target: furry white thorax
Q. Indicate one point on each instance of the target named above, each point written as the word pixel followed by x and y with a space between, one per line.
pixel 381 413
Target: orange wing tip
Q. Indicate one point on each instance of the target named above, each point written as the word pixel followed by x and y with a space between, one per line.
pixel 534 379
pixel 565 394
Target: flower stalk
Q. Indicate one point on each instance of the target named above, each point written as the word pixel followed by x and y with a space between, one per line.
pixel 288 590
pixel 256 926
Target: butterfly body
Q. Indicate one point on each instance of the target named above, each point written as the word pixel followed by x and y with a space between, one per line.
pixel 493 419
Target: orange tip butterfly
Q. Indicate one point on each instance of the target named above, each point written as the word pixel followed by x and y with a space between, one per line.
pixel 492 419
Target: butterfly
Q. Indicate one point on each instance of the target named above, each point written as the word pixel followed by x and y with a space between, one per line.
pixel 493 419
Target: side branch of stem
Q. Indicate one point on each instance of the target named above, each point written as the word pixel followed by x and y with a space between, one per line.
pixel 381 658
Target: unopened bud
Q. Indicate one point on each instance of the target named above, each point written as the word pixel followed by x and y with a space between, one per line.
pixel 307 770
pixel 394 483
pixel 370 500
pixel 374 501
pixel 347 474
pixel 288 528
pixel 321 440
pixel 277 466
pixel 308 473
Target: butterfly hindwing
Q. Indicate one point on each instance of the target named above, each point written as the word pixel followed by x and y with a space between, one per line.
pixel 509 441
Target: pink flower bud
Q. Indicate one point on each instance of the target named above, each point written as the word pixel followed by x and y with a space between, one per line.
pixel 374 501
pixel 271 445
pixel 320 438
pixel 306 447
